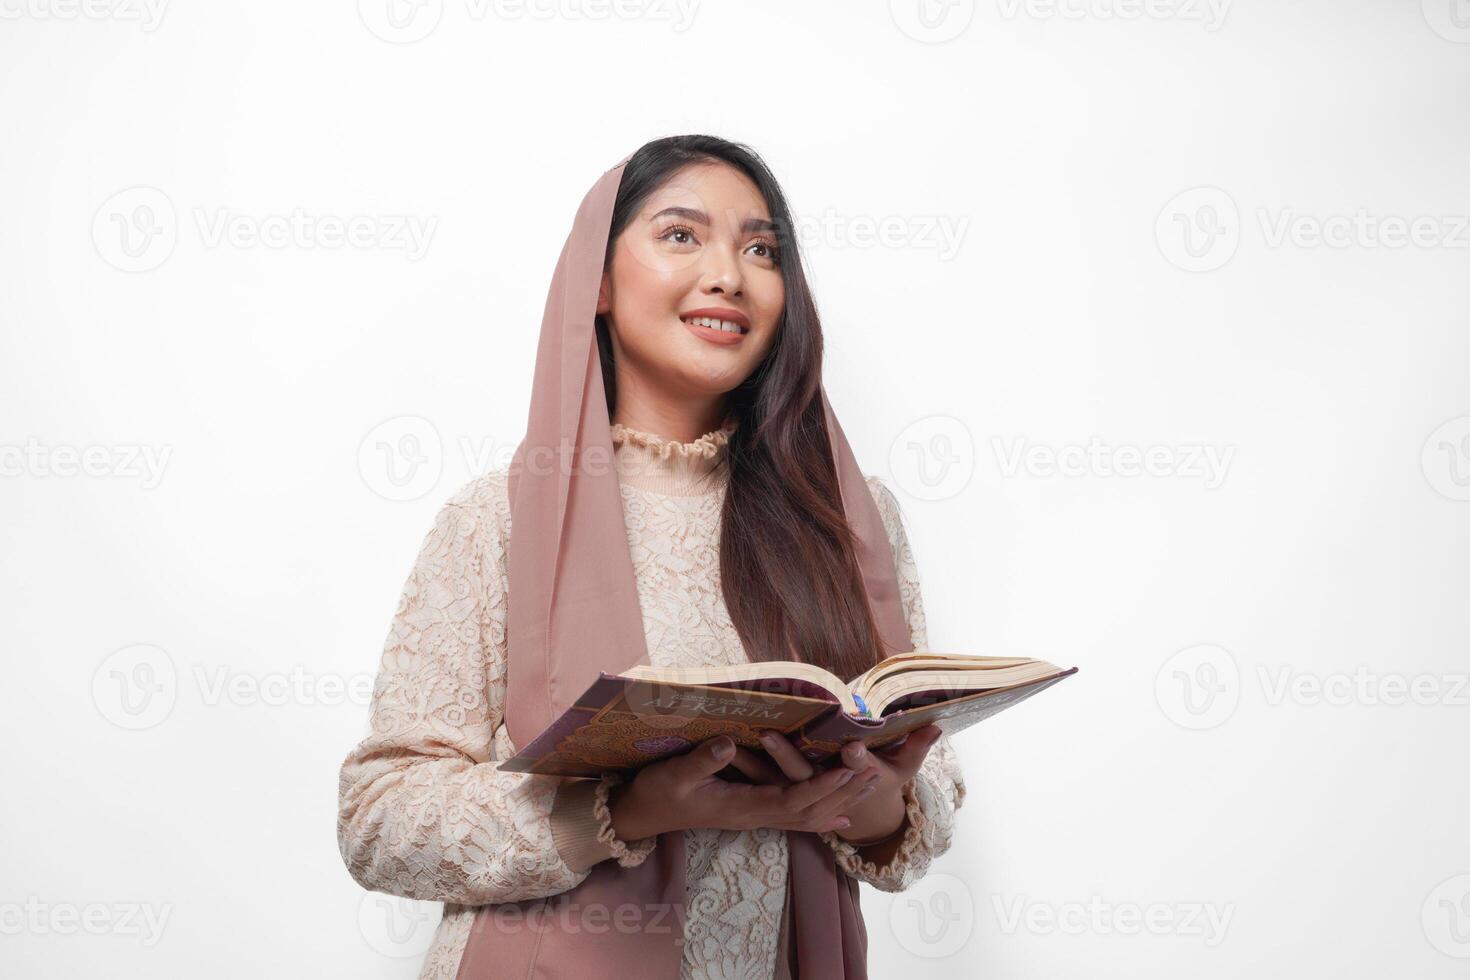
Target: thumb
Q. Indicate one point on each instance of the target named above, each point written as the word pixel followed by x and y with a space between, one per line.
pixel 910 755
pixel 709 758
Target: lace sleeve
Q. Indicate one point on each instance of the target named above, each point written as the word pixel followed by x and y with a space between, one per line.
pixel 938 788
pixel 581 823
pixel 422 810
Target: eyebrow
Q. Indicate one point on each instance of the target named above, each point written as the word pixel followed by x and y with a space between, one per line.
pixel 696 215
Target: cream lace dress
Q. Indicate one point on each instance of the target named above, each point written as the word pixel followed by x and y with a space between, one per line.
pixel 424 814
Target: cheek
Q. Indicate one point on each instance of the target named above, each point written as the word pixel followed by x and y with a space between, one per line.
pixel 644 298
pixel 773 304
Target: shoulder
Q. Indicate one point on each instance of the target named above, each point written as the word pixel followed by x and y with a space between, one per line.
pixel 888 506
pixel 482 506
pixel 487 490
pixel 880 490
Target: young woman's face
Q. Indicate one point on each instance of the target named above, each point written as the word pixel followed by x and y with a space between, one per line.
pixel 703 245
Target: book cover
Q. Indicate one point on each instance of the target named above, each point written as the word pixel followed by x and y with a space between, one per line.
pixel 623 723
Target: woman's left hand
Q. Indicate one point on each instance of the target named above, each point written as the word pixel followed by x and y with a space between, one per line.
pixel 878 811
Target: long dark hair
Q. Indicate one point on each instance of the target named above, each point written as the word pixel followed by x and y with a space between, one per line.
pixel 788 567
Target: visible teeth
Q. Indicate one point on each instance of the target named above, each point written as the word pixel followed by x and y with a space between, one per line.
pixel 724 325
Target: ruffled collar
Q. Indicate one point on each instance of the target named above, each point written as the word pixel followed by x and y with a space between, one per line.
pixel 653 462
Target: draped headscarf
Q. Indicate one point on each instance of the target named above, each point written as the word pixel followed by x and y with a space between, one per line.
pixel 574 611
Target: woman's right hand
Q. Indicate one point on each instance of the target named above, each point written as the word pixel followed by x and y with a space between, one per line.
pixel 686 791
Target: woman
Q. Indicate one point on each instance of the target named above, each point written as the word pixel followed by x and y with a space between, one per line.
pixel 683 497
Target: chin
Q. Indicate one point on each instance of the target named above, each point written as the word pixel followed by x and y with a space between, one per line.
pixel 717 380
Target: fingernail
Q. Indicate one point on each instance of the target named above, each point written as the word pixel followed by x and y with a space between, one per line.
pixel 724 748
pixel 845 778
pixel 860 751
pixel 866 790
pixel 767 739
pixel 871 777
pixel 843 823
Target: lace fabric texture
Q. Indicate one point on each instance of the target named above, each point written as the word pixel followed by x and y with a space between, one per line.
pixel 424 814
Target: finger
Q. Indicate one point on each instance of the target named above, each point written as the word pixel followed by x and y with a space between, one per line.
pixel 862 785
pixel 803 794
pixel 918 734
pixel 758 768
pixel 784 754
pixel 858 757
pixel 706 760
pixel 910 755
pixel 855 755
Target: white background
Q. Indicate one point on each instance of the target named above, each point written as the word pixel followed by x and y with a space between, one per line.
pixel 1137 268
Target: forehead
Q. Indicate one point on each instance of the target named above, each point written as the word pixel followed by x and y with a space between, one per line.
pixel 718 190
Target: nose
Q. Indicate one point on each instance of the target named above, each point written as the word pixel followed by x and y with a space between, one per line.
pixel 721 272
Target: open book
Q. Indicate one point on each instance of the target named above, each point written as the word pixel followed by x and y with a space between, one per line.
pixel 625 721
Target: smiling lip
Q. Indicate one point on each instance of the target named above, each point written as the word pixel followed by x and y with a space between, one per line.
pixel 721 337
pixel 720 313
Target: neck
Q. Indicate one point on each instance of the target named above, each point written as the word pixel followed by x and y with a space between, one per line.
pixel 650 461
pixel 652 408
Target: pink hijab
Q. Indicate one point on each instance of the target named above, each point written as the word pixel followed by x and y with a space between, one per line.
pixel 574 611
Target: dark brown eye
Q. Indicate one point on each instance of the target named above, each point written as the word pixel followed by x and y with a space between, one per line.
pixel 771 250
pixel 677 230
